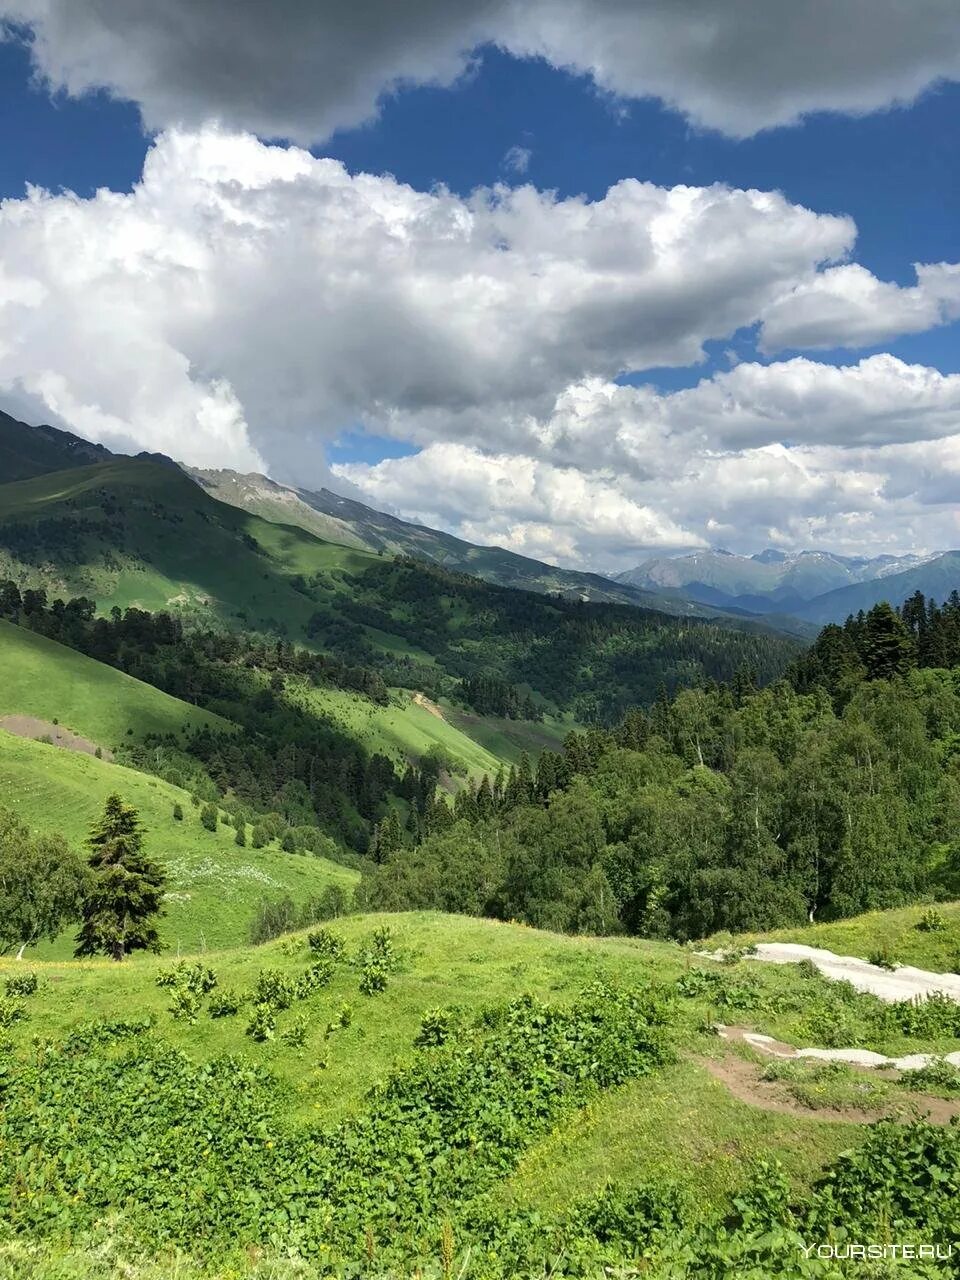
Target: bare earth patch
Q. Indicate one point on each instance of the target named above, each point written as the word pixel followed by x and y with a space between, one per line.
pixel 422 700
pixel 32 727
pixel 744 1079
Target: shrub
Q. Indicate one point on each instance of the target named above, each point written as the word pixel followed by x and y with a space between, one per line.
pixel 263 1025
pixel 938 1076
pixel 185 1005
pixel 178 812
pixel 275 989
pixel 11 1012
pixel 296 1033
pixel 883 957
pixel 21 984
pixel 342 1020
pixel 435 1028
pixel 317 975
pixel 931 922
pixel 326 944
pixel 225 1004
pixel 241 837
pixel 209 817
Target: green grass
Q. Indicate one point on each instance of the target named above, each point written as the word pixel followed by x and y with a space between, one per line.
pixel 44 679
pixel 152 538
pixel 894 932
pixel 678 1125
pixel 403 731
pixel 508 739
pixel 213 884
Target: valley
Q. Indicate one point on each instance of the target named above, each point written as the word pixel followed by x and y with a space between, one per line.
pixel 442 906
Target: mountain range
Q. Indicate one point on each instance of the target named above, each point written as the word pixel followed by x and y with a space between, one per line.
pixel 814 586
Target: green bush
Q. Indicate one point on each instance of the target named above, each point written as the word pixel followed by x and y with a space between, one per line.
pixel 209 817
pixel 21 984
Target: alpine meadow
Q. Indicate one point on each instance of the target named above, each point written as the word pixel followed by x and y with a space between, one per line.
pixel 479 641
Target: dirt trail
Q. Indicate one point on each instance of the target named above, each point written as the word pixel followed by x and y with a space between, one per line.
pixel 744 1079
pixel 31 727
pixel 422 700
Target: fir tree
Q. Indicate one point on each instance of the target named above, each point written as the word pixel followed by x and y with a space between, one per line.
pixel 126 891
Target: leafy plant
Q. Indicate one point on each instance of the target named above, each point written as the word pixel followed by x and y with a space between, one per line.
pixel 224 1004
pixel 326 945
pixel 931 922
pixel 11 1012
pixel 263 1024
pixel 21 984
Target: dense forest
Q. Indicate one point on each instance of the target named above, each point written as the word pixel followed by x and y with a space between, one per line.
pixel 833 791
pixel 594 661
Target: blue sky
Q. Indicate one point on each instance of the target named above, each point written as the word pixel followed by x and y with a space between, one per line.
pixel 511 465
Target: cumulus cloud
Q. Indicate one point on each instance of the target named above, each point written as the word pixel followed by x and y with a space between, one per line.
pixel 792 454
pixel 847 306
pixel 299 69
pixel 247 303
pixel 246 300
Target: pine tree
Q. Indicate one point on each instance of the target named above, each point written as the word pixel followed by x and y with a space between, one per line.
pixel 126 891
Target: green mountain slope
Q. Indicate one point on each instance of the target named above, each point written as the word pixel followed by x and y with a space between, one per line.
pixel 213 885
pixel 138 532
pixel 331 516
pixel 42 679
pixel 133 532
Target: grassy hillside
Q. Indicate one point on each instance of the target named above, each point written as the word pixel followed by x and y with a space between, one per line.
pixel 403 731
pixel 693 1127
pixel 46 680
pixel 213 885
pixel 137 532
pixel 33 451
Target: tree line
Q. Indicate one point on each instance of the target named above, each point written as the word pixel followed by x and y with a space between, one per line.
pixel 833 791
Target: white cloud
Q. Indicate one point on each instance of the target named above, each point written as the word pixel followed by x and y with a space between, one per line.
pixel 847 306
pixel 301 68
pixel 528 504
pixel 877 465
pixel 246 303
pixel 247 299
pixel 517 159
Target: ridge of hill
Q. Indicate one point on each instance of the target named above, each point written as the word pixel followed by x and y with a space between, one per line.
pixel 136 532
pixel 936 579
pixel 341 519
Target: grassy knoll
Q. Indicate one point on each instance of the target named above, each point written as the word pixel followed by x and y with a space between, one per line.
pixel 213 884
pixel 41 678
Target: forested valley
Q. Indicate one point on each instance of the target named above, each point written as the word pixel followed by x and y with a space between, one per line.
pixel 833 791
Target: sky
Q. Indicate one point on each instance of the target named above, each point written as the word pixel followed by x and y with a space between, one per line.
pixel 595 281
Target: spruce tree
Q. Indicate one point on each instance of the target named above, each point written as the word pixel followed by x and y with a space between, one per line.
pixel 126 890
